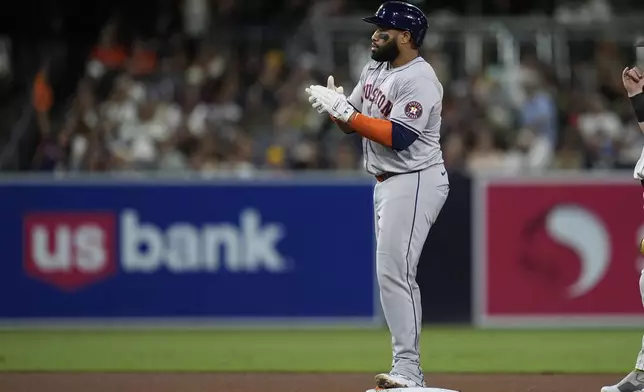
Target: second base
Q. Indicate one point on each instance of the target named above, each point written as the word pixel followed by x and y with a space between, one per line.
pixel 413 390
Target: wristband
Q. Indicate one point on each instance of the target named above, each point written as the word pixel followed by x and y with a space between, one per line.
pixel 638 106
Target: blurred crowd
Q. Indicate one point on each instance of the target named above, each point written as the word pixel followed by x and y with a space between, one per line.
pixel 202 96
pixel 526 120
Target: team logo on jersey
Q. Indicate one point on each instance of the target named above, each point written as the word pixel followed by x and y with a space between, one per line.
pixel 413 110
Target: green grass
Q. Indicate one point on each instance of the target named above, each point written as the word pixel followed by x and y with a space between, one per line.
pixel 443 350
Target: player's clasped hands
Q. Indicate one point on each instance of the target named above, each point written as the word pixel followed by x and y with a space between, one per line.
pixel 330 99
pixel 330 84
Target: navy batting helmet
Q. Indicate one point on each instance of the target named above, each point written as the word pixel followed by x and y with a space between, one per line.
pixel 402 16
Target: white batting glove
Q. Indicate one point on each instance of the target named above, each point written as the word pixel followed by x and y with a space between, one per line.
pixel 330 84
pixel 331 102
pixel 317 105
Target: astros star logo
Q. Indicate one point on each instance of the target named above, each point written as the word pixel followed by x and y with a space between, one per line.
pixel 413 110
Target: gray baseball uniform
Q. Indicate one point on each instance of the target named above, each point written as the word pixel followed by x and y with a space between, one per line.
pixel 405 205
pixel 639 364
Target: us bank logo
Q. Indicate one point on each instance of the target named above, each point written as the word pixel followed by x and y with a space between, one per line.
pixel 566 247
pixel 74 250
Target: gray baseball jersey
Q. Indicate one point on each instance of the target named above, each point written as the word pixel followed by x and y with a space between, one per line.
pixel 410 95
pixel 407 205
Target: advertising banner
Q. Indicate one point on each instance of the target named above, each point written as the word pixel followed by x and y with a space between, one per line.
pixel 445 266
pixel 239 251
pixel 558 252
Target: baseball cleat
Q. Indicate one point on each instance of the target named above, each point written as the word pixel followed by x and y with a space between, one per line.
pixel 425 389
pixel 394 380
pixel 633 382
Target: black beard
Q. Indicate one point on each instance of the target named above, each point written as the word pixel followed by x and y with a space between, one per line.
pixel 386 53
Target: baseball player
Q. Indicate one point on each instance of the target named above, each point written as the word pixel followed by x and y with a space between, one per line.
pixel 396 108
pixel 633 80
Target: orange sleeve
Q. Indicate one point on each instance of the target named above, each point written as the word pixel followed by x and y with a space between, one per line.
pixel 376 129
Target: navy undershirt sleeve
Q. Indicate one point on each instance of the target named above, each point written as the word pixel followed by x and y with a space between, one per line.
pixel 401 136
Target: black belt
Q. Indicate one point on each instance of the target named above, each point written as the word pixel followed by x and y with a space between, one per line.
pixel 387 175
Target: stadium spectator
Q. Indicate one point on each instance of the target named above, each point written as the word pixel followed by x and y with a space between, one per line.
pixel 196 92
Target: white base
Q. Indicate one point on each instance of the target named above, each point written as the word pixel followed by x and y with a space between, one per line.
pixel 413 390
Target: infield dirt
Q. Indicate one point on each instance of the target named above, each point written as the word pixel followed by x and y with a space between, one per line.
pixel 281 382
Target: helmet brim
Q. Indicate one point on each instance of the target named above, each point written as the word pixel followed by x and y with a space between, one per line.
pixel 376 21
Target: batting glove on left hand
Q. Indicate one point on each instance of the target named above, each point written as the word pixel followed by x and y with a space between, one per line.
pixel 330 84
pixel 330 101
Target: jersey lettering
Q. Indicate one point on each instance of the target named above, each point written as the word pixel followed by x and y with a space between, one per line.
pixel 410 96
pixel 375 95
